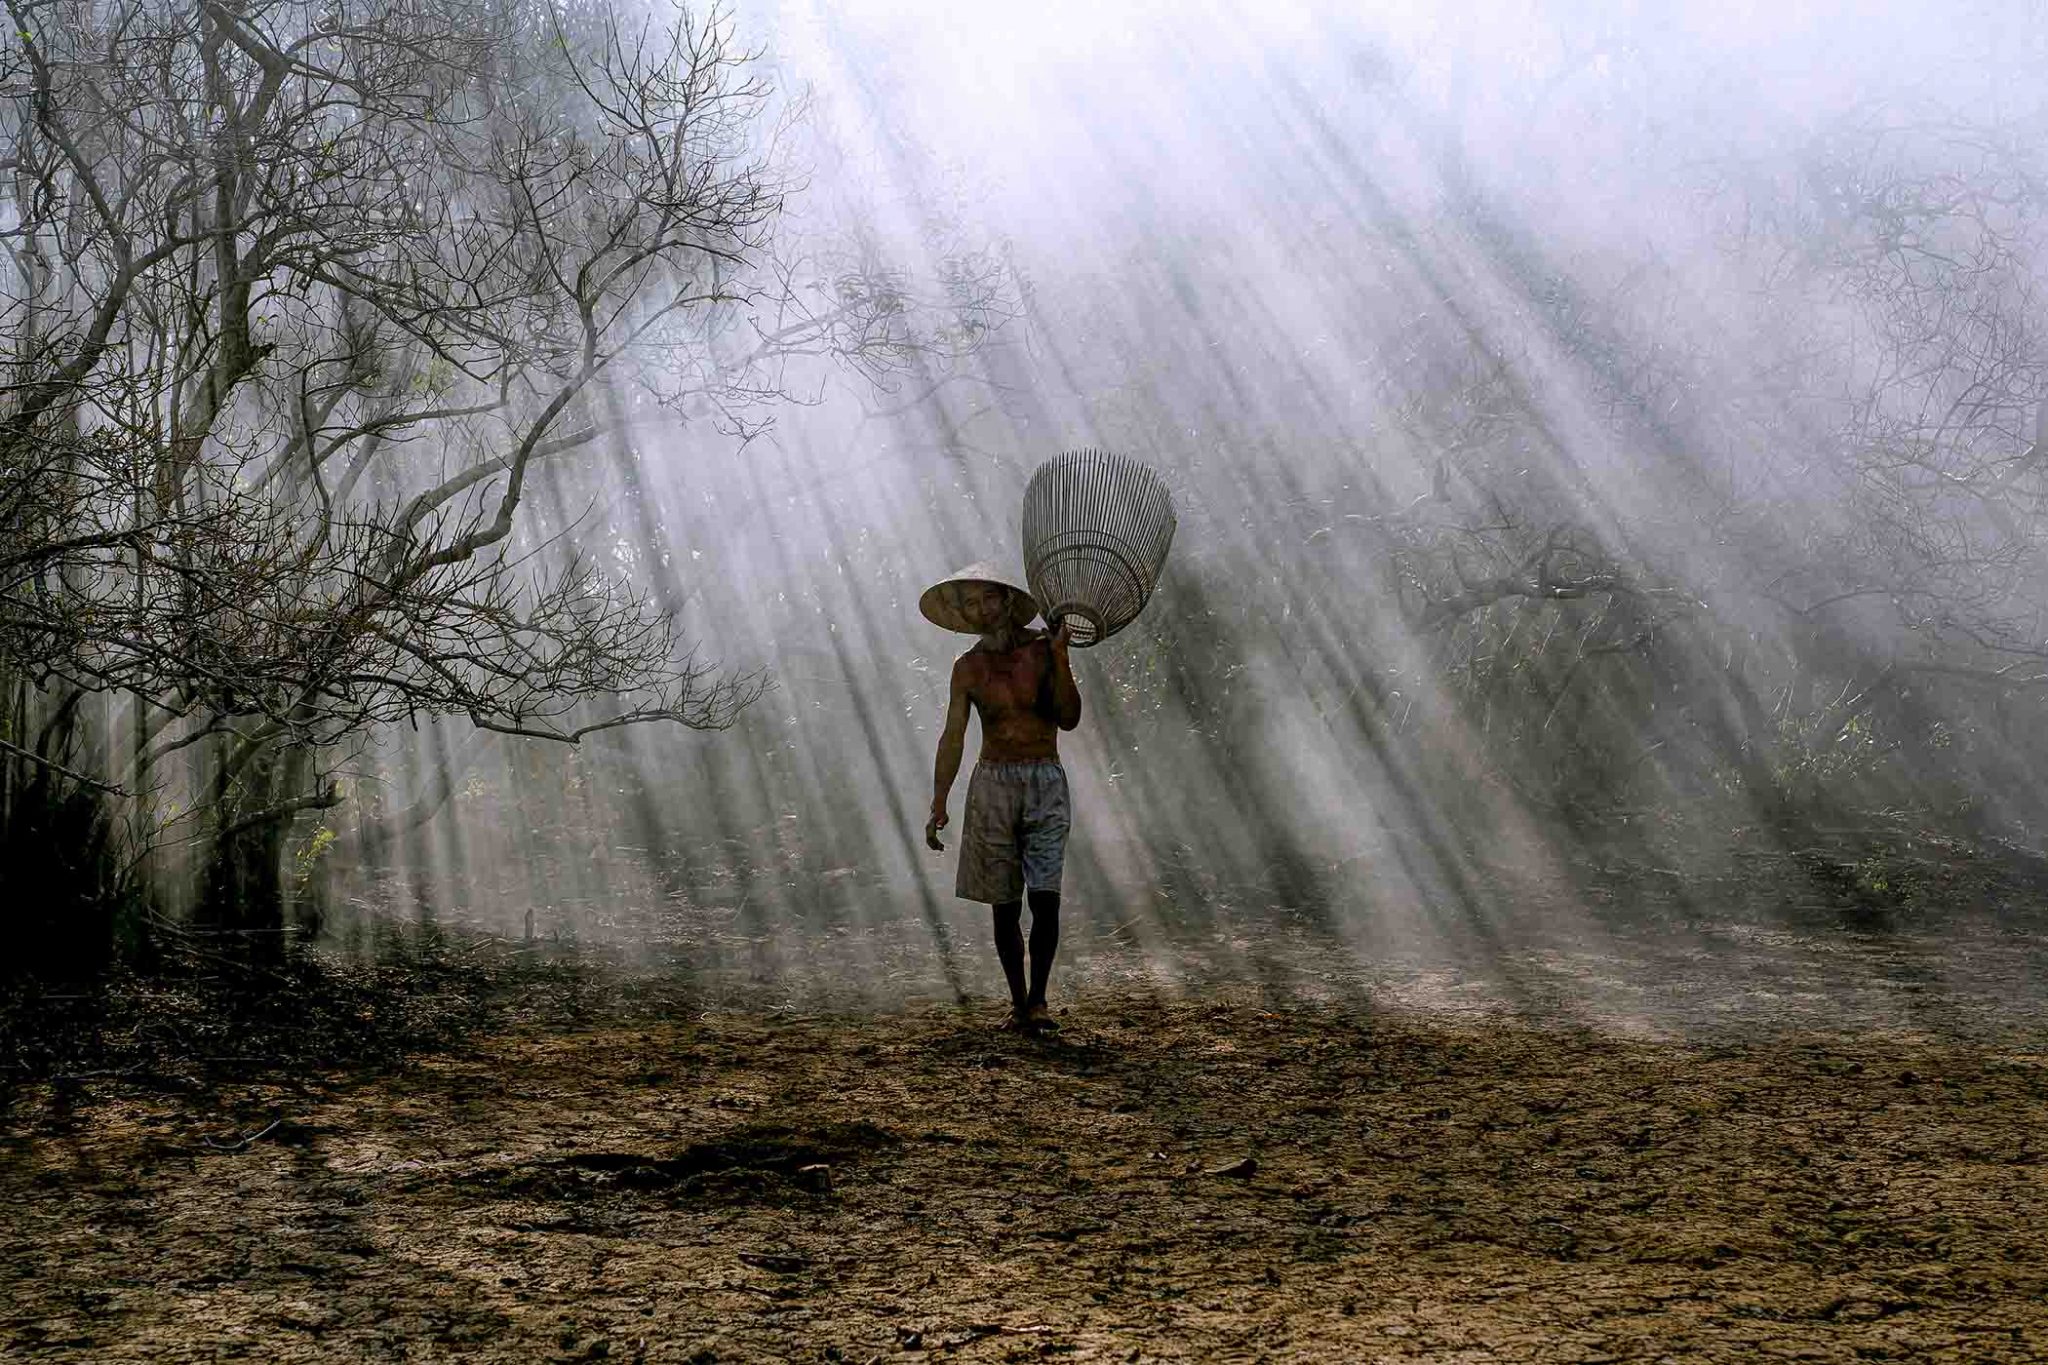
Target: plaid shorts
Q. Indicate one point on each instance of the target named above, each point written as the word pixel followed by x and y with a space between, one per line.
pixel 1014 833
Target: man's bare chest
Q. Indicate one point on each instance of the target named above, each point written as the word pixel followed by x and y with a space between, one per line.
pixel 1007 682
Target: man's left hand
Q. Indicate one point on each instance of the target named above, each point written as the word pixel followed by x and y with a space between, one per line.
pixel 1063 636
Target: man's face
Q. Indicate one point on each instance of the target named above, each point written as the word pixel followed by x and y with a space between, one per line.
pixel 987 605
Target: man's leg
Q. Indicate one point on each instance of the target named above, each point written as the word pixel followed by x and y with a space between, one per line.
pixel 1045 941
pixel 1010 945
pixel 1048 814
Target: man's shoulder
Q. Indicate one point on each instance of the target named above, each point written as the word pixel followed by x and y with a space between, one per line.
pixel 980 652
pixel 1031 638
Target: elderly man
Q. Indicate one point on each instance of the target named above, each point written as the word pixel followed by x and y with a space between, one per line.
pixel 1014 836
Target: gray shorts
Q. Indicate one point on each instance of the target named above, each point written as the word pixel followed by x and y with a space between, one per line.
pixel 1014 833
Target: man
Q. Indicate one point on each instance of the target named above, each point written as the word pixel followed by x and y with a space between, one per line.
pixel 1014 831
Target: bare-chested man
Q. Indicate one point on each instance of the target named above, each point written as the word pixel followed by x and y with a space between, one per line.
pixel 1014 838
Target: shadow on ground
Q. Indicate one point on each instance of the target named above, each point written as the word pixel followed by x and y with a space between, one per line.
pixel 1219 1180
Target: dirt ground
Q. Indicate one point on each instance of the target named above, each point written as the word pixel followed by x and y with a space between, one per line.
pixel 1231 1179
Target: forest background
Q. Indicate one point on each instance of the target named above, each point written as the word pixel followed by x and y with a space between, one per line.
pixel 474 465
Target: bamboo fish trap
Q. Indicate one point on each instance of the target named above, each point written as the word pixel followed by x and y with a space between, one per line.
pixel 1097 527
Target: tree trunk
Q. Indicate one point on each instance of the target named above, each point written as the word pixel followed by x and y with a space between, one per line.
pixel 244 896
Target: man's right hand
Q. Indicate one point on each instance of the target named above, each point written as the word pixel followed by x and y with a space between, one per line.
pixel 932 828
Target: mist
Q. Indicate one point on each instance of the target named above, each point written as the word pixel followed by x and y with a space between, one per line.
pixel 1556 867
pixel 1605 442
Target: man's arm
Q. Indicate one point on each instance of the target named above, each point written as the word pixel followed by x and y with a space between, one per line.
pixel 1066 698
pixel 952 743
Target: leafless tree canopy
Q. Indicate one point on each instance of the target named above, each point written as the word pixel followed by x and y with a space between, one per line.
pixel 300 298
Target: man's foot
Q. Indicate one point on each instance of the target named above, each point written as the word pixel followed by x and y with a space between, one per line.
pixel 1030 1020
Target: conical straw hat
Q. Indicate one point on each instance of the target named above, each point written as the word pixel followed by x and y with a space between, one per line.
pixel 943 602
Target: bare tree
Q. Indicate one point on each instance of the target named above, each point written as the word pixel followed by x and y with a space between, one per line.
pixel 1861 528
pixel 303 295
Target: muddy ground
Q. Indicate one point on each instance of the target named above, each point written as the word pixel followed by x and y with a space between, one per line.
pixel 1232 1177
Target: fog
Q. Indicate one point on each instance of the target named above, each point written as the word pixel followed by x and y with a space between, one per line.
pixel 1573 412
